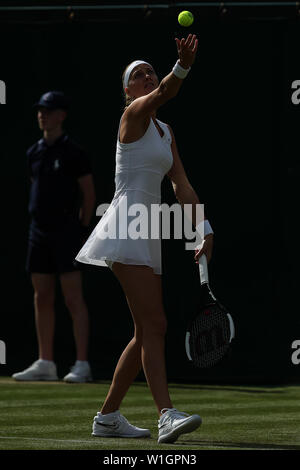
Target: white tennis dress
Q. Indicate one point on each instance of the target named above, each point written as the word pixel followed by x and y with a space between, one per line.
pixel 140 169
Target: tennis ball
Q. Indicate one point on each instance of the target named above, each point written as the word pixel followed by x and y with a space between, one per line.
pixel 185 18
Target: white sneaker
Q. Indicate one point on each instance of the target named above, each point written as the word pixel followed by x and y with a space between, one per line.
pixel 116 425
pixel 80 373
pixel 172 423
pixel 39 370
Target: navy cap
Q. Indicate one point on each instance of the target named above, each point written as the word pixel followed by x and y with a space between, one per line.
pixel 53 100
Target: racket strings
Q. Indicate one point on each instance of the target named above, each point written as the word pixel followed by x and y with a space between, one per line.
pixel 209 337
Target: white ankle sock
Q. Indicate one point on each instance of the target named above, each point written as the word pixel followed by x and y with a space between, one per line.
pixel 108 415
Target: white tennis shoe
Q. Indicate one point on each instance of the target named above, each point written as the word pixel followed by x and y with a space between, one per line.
pixel 116 425
pixel 80 373
pixel 172 423
pixel 38 371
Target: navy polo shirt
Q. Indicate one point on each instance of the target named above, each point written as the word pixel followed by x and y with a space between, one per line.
pixel 54 171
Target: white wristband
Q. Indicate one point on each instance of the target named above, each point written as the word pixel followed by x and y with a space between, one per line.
pixel 207 228
pixel 179 71
pixel 204 228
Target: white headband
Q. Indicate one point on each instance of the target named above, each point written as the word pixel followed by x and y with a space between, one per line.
pixel 129 70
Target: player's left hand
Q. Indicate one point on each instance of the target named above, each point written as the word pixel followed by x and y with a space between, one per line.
pixel 206 248
pixel 187 50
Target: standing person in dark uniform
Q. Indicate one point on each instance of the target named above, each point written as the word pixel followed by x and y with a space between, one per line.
pixel 61 204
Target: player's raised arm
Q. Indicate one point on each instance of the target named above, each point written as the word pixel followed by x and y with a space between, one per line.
pixel 142 76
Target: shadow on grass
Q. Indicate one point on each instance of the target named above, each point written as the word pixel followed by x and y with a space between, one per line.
pixel 255 389
pixel 223 388
pixel 228 389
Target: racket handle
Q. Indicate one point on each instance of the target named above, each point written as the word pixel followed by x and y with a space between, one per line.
pixel 203 269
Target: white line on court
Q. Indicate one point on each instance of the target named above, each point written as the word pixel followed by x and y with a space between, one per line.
pixel 49 439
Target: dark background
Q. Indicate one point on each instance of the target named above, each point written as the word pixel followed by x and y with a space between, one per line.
pixel 237 133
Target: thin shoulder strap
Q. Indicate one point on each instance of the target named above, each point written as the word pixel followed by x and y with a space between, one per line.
pixel 166 129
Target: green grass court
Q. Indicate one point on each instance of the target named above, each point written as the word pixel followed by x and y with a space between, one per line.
pixel 58 416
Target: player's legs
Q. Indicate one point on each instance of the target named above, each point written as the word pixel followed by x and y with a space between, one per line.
pixel 71 285
pixel 44 296
pixel 143 291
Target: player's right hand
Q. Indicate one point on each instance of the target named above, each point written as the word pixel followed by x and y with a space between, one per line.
pixel 205 248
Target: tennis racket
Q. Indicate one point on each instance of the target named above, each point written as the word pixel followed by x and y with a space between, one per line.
pixel 211 331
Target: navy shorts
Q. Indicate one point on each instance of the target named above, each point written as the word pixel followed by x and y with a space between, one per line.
pixel 54 251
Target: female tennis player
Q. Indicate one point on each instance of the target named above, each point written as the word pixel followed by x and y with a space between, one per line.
pixel 146 152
